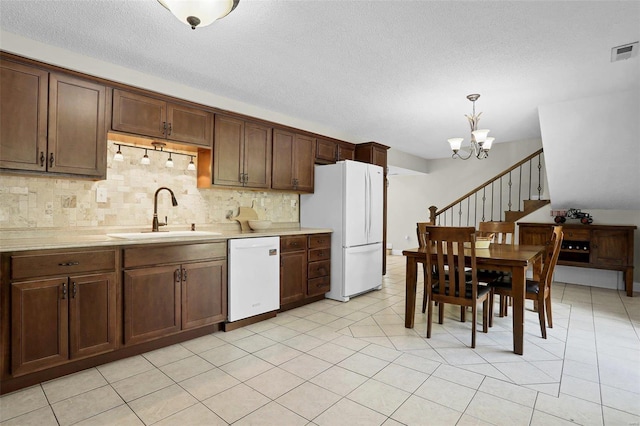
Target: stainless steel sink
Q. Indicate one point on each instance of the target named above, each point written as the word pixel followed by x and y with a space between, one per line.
pixel 162 234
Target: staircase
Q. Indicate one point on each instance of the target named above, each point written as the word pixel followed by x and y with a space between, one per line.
pixel 509 196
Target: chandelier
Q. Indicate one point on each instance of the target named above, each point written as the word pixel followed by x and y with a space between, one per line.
pixel 199 12
pixel 480 143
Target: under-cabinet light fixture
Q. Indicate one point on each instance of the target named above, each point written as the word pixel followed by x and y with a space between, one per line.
pixel 118 156
pixel 157 146
pixel 145 161
pixel 191 166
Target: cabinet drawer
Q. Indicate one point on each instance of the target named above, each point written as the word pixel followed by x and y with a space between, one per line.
pixel 295 243
pixel 319 241
pixel 319 254
pixel 69 263
pixel 318 286
pixel 577 234
pixel 148 256
pixel 319 269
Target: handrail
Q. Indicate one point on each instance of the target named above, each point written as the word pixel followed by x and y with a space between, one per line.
pixel 434 212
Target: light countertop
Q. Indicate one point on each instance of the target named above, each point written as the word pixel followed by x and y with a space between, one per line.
pixel 40 240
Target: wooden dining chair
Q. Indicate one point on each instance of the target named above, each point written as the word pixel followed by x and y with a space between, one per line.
pixel 421 228
pixel 504 233
pixel 450 283
pixel 538 291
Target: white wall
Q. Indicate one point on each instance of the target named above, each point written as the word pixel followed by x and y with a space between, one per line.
pixel 409 197
pixel 592 149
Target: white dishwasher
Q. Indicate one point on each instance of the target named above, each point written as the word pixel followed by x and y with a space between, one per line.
pixel 254 276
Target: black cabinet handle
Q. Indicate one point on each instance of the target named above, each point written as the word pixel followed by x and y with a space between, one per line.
pixel 176 275
pixel 64 290
pixel 169 133
pixel 74 291
pixel 51 160
pixel 42 158
pixel 69 264
pixel 184 275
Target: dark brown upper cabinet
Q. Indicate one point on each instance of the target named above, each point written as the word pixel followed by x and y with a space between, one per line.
pixel 51 122
pixel 293 161
pixel 328 152
pixel 157 118
pixel 241 153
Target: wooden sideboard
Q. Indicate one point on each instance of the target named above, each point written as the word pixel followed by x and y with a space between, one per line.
pixel 589 246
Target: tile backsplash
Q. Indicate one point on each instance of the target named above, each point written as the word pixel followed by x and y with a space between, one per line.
pixel 49 202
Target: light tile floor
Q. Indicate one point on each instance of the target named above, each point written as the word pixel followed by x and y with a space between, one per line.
pixel 354 363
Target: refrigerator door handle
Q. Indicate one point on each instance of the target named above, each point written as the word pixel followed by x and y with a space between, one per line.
pixel 370 204
pixel 366 207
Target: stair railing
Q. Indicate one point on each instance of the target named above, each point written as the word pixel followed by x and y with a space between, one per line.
pixel 490 201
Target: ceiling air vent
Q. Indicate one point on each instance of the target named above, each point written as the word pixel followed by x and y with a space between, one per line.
pixel 625 51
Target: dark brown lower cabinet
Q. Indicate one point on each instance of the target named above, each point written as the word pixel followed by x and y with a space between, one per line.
pixel 164 300
pixel 58 319
pixel 305 269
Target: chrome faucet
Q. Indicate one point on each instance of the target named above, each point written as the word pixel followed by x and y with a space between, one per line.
pixel 157 224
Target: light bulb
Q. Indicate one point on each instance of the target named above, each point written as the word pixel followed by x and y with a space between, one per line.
pixel 169 162
pixel 118 156
pixel 455 143
pixel 145 161
pixel 191 166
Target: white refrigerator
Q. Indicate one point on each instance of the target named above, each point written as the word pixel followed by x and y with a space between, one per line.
pixel 348 199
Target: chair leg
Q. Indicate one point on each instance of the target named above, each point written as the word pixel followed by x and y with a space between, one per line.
pixel 543 328
pixel 440 313
pixel 429 313
pixel 547 303
pixel 491 299
pixel 503 306
pixel 424 297
pixel 486 322
pixel 463 314
pixel 473 325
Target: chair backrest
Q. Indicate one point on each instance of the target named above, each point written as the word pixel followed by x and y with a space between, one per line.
pixel 503 231
pixel 421 228
pixel 449 272
pixel 551 256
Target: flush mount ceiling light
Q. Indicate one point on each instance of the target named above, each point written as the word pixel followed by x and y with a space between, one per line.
pixel 199 13
pixel 480 144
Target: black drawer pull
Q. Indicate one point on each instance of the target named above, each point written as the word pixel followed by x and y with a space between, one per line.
pixel 69 264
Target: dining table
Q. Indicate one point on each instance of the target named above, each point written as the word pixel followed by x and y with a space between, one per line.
pixel 514 259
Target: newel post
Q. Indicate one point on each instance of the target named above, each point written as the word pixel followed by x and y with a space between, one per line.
pixel 432 214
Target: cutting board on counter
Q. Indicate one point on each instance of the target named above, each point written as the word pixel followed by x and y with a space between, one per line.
pixel 245 214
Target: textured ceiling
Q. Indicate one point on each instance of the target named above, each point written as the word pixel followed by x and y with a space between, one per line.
pixel 395 72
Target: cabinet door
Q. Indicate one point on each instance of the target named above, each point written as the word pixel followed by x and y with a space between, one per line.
pixel 346 153
pixel 204 293
pixel 92 314
pixel 326 151
pixel 257 156
pixel 39 325
pixel 77 132
pixel 609 247
pixel 534 235
pixel 282 168
pixel 189 125
pixel 23 116
pixel 142 115
pixel 303 161
pixel 151 303
pixel 293 276
pixel 228 151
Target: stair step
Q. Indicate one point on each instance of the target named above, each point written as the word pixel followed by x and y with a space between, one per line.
pixel 529 207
